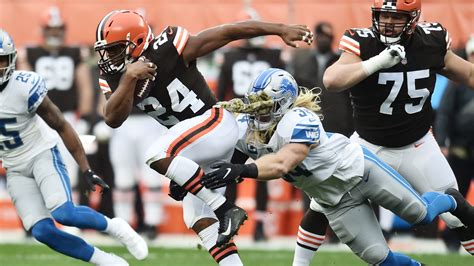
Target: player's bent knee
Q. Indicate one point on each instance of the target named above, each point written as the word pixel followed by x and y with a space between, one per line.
pixel 414 212
pixel 64 214
pixel 374 254
pixel 43 230
pixel 203 223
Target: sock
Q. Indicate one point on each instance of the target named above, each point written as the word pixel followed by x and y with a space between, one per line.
pixel 187 174
pixel 436 203
pixel 124 200
pixel 466 236
pixel 152 206
pixel 226 255
pixel 311 234
pixel 398 259
pixel 81 217
pixel 46 232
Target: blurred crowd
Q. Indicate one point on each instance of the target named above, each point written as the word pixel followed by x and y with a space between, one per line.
pixel 71 75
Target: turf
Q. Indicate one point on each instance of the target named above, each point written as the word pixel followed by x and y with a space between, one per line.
pixel 25 255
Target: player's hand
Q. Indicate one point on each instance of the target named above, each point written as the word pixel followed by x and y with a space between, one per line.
pixel 141 69
pixel 391 56
pixel 92 180
pixel 225 174
pixel 177 192
pixel 291 34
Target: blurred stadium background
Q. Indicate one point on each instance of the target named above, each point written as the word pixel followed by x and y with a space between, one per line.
pixel 21 18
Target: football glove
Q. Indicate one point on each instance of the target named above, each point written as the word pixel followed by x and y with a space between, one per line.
pixel 389 57
pixel 228 173
pixel 92 180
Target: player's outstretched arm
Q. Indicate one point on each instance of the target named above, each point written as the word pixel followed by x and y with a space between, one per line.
pixel 211 39
pixel 55 119
pixel 270 166
pixel 458 69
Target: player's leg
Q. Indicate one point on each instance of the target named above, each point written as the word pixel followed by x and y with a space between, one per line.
pixel 123 156
pixel 52 179
pixel 386 187
pixel 311 234
pixel 426 169
pixel 210 136
pixel 152 196
pixel 354 222
pixel 261 199
pixel 32 210
pixel 202 220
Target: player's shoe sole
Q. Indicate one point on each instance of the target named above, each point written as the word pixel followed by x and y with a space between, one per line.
pixel 230 225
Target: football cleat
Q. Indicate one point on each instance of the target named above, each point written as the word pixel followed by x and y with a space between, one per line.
pixel 230 224
pixel 124 233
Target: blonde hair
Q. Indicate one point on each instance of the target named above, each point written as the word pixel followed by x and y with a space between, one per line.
pixel 262 104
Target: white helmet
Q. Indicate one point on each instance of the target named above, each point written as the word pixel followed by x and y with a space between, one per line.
pixel 7 49
pixel 282 88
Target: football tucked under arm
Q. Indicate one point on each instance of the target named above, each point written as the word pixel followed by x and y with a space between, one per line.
pixel 143 87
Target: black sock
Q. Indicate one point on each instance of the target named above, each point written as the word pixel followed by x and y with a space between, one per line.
pixel 220 211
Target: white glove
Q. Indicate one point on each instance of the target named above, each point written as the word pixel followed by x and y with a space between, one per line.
pixel 387 58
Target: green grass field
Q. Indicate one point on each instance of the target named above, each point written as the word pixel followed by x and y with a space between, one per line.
pixel 36 255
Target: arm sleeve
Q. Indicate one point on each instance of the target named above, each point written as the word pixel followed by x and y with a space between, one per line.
pixel 36 93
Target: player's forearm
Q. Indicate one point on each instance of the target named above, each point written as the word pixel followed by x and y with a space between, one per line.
pixel 120 103
pixel 343 76
pixel 271 166
pixel 249 29
pixel 74 146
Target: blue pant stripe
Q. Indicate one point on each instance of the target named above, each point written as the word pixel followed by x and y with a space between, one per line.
pixel 371 157
pixel 60 168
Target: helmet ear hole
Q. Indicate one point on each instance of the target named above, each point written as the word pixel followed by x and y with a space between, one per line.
pixel 139 41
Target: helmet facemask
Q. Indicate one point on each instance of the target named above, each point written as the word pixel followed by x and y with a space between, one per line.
pixel 114 56
pixel 8 55
pixel 394 33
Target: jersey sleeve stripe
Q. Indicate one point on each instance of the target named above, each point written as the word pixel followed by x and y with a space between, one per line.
pixel 104 86
pixel 177 36
pixel 348 48
pixel 448 41
pixel 183 41
pixel 351 41
pixel 36 94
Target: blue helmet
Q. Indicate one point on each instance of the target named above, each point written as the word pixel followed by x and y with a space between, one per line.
pixel 8 51
pixel 281 87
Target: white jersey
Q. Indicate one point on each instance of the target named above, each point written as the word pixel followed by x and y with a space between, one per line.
pixel 23 134
pixel 333 166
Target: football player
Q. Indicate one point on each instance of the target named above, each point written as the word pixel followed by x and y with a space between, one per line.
pixel 390 70
pixel 67 78
pixel 37 179
pixel 181 100
pixel 287 139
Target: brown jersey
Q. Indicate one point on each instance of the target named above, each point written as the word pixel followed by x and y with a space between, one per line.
pixel 392 107
pixel 179 91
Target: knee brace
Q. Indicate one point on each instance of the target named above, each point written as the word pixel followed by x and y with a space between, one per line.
pixel 374 254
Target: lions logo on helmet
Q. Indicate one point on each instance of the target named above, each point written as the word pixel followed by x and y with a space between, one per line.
pixel 8 50
pixel 282 88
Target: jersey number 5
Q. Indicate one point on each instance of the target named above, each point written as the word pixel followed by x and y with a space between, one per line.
pixel 413 92
pixel 9 144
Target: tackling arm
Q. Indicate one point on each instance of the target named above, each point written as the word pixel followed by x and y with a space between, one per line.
pixel 55 119
pixel 344 73
pixel 213 38
pixel 276 165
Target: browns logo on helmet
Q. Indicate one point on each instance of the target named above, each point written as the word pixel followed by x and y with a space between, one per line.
pixel 411 9
pixel 122 36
